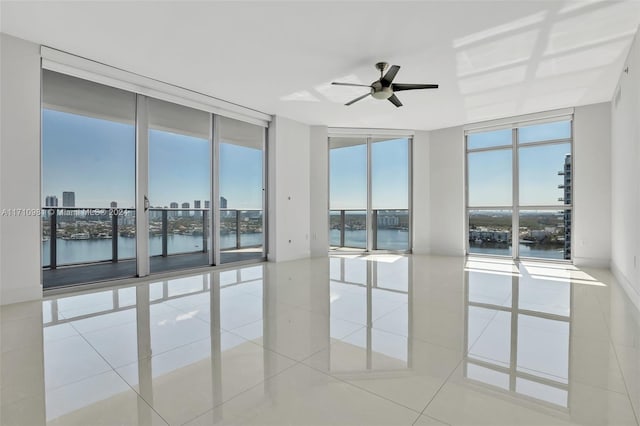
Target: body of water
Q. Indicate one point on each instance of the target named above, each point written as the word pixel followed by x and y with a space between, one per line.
pixel 388 239
pixel 80 251
pixel 525 251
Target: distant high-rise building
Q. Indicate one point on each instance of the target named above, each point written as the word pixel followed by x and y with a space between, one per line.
pixel 197 204
pixel 223 203
pixel 68 199
pixel 207 204
pixel 51 201
pixel 114 204
pixel 173 205
pixel 186 212
pixel 566 172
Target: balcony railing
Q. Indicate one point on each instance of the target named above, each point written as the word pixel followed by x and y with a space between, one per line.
pixel 79 224
pixel 239 229
pixel 389 231
pixel 164 222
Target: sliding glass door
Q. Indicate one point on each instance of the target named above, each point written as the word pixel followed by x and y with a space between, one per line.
pixel 390 194
pixel 370 180
pixel 179 186
pixel 134 185
pixel 348 193
pixel 241 190
pixel 88 181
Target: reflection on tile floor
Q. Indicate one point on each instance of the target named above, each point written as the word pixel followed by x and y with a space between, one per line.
pixel 349 339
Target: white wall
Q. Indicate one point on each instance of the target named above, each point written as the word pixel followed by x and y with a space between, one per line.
pixel 421 200
pixel 19 169
pixel 591 244
pixel 625 176
pixel 289 181
pixel 319 191
pixel 446 191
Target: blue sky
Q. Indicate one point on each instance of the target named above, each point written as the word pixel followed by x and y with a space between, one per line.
pixel 96 159
pixel 490 176
pixel 389 175
pixel 490 172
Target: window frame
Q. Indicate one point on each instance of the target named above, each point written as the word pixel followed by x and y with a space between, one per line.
pixel 516 207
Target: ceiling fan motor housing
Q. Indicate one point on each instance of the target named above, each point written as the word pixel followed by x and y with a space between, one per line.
pixel 380 92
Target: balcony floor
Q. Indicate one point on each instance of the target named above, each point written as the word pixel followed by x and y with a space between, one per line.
pixel 94 272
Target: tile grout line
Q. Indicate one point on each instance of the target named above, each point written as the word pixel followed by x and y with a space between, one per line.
pixel 442 386
pixel 431 417
pixel 352 384
pixel 120 376
pixel 242 392
pixel 114 369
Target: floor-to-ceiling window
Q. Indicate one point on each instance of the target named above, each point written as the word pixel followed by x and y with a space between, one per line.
pixel 133 185
pixel 241 190
pixel 370 187
pixel 179 186
pixel 348 193
pixel 88 180
pixel 390 193
pixel 519 186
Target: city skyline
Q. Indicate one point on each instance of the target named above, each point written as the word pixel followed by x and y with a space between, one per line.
pixel 51 200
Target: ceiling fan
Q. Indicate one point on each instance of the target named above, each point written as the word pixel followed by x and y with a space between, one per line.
pixel 384 87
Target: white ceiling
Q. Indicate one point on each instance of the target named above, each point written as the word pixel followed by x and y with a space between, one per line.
pixel 491 59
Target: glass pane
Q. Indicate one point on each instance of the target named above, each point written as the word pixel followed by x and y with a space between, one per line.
pixel 545 132
pixel 545 175
pixel 490 178
pixel 355 229
pixel 489 139
pixel 348 192
pixel 490 232
pixel 390 193
pixel 390 174
pixel 347 173
pixel 179 186
pixel 545 234
pixel 334 228
pixel 392 231
pixel 88 181
pixel 241 190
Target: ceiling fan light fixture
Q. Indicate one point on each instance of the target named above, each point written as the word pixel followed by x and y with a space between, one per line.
pixel 384 93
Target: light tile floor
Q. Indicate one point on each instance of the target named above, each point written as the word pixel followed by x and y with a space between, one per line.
pixel 345 340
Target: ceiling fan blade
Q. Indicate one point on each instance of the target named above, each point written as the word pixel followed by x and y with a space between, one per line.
pixel 394 100
pixel 350 84
pixel 390 75
pixel 357 99
pixel 396 87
